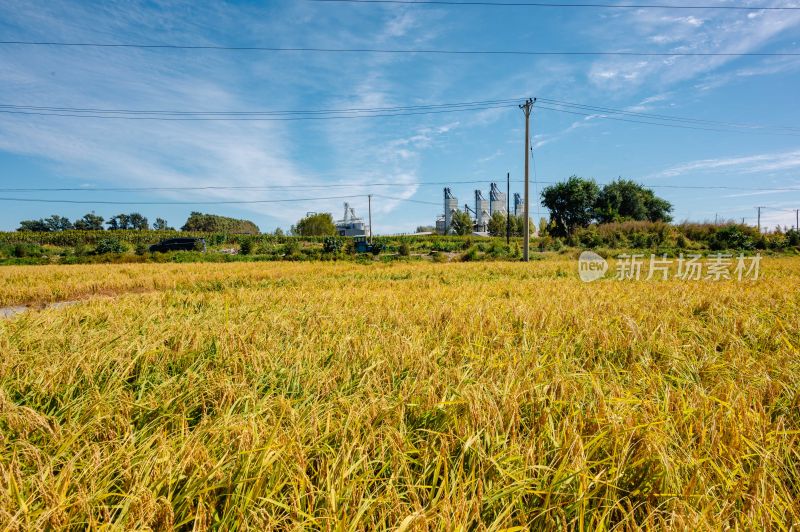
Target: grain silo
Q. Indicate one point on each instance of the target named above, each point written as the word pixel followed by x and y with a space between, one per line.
pixel 519 208
pixel 481 212
pixel 450 207
pixel 497 200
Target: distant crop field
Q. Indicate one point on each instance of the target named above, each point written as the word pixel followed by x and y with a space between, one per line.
pixel 340 396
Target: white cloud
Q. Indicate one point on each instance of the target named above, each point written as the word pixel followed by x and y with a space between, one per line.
pixel 751 164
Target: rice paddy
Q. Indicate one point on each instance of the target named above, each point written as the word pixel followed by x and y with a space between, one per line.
pixel 419 396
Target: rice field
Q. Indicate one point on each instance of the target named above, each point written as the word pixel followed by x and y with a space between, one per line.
pixel 420 396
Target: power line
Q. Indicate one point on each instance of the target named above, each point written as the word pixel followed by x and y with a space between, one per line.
pixel 408 200
pixel 222 187
pixel 664 117
pixel 394 50
pixel 679 126
pixel 399 110
pixel 251 119
pixel 367 185
pixel 222 202
pixel 284 112
pixel 553 4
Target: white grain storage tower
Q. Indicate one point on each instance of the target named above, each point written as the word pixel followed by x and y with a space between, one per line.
pixel 481 212
pixel 450 207
pixel 497 200
pixel 518 206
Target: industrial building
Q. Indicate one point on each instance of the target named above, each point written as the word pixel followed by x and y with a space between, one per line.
pixel 350 224
pixel 480 213
pixel 497 200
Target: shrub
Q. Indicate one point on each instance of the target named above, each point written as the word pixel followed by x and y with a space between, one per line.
pixel 26 250
pixel 331 244
pixel 246 247
pixel 404 250
pixel 110 245
pixel 732 237
pixel 291 249
pixel 470 255
pixel 378 247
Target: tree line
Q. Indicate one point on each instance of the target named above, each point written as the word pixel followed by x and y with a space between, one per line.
pixel 135 221
pixel 577 203
pixel 93 222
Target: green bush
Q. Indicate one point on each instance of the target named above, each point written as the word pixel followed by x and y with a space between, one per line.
pixel 378 247
pixel 246 246
pixel 331 244
pixel 110 245
pixel 470 255
pixel 404 250
pixel 26 250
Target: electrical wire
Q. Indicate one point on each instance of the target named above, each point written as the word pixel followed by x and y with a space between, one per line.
pixel 662 117
pixel 679 126
pixel 222 187
pixel 369 185
pixel 258 113
pixel 252 119
pixel 553 4
pixel 480 105
pixel 221 202
pixel 428 51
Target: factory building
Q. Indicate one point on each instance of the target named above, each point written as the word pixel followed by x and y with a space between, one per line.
pixel 497 200
pixel 350 224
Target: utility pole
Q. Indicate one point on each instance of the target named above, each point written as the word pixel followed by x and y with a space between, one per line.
pixel 797 219
pixel 716 217
pixel 369 208
pixel 508 208
pixel 526 108
pixel 759 219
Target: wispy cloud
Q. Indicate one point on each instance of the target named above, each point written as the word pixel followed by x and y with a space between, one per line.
pixel 751 164
pixel 728 33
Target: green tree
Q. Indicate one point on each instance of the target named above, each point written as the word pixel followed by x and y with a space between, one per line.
pixel 40 226
pixel 571 204
pixel 212 223
pixel 497 224
pixel 58 223
pixel 90 222
pixel 461 223
pixel 119 222
pixel 317 224
pixel 138 222
pixel 161 225
pixel 623 200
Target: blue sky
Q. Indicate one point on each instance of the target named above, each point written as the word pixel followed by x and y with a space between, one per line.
pixel 48 151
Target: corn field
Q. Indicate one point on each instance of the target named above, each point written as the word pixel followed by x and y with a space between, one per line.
pixel 339 396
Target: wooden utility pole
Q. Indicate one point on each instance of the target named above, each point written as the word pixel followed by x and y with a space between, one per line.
pixel 526 108
pixel 797 219
pixel 369 208
pixel 508 208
